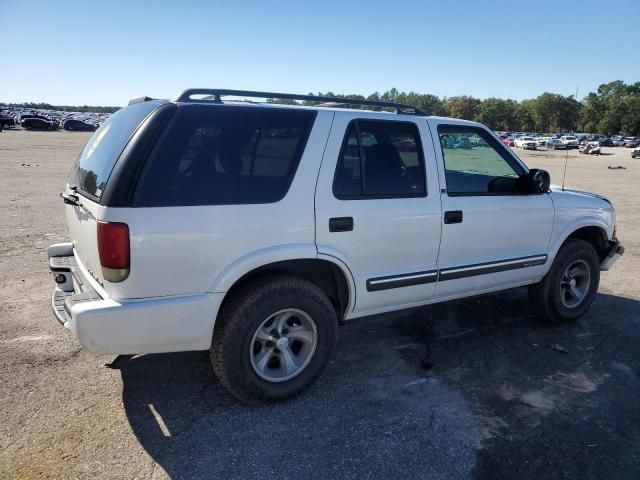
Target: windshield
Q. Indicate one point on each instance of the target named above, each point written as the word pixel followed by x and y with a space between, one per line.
pixel 93 167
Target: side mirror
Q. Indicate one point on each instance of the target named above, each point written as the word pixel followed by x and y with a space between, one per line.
pixel 539 180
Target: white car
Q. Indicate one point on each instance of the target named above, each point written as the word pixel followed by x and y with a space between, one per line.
pixel 570 141
pixel 525 143
pixel 251 230
pixel 542 141
pixel 635 153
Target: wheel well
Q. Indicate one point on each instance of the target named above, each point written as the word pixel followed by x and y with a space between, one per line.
pixel 596 236
pixel 324 274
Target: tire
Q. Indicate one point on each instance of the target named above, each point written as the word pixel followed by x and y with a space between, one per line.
pixel 550 298
pixel 237 347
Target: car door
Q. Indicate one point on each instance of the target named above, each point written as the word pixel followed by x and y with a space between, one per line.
pixel 494 235
pixel 378 208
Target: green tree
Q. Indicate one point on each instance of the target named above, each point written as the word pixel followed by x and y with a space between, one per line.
pixel 497 113
pixel 524 116
pixel 553 112
pixel 464 106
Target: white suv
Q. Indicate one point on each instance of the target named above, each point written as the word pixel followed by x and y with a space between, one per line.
pixel 525 143
pixel 570 141
pixel 251 230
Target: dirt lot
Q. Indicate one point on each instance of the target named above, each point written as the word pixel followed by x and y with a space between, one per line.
pixel 468 389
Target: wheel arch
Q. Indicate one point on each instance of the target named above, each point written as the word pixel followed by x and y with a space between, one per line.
pixel 329 274
pixel 594 233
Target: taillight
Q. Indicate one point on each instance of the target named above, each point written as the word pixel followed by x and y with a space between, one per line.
pixel 113 248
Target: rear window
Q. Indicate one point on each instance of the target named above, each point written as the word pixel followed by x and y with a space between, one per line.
pixel 94 165
pixel 223 155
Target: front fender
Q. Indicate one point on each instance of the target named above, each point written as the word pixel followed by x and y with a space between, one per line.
pixel 565 232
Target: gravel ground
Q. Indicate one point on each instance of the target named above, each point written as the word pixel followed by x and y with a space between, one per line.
pixel 469 389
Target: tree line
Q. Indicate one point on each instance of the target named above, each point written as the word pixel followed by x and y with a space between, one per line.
pixel 63 108
pixel 614 108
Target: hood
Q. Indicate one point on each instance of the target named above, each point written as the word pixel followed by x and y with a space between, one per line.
pixel 559 189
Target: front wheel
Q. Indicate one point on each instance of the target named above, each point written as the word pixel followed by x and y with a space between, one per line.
pixel 570 286
pixel 273 338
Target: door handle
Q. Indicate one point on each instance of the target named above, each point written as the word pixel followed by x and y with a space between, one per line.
pixel 453 216
pixel 341 224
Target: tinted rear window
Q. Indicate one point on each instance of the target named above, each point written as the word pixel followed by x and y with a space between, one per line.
pixel 95 163
pixel 222 155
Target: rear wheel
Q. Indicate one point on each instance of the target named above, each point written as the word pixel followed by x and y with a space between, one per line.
pixel 570 286
pixel 274 338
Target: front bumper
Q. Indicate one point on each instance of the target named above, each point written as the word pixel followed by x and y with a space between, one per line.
pixel 128 326
pixel 616 250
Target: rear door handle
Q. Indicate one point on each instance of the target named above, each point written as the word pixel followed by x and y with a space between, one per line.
pixel 453 216
pixel 341 224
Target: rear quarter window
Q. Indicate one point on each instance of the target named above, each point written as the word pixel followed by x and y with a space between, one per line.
pixel 224 155
pixel 96 161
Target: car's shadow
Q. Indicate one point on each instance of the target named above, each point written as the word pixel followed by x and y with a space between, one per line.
pixel 402 398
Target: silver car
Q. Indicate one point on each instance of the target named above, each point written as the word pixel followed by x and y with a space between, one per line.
pixel 556 144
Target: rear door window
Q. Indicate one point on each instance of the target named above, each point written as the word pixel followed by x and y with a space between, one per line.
pixel 380 159
pixel 94 165
pixel 223 155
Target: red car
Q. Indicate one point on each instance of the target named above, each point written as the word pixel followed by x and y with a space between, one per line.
pixel 508 141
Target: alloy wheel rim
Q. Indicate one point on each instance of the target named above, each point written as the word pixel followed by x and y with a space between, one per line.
pixel 283 345
pixel 575 283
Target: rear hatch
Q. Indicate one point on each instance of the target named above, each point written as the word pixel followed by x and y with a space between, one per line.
pixel 89 177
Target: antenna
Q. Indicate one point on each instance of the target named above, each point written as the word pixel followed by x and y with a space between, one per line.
pixel 566 157
pixel 566 160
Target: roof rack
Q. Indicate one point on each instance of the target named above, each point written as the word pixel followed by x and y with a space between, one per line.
pixel 217 95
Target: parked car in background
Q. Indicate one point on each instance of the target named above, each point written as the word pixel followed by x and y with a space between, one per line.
pixel 631 142
pixel 556 144
pixel 605 142
pixel 508 141
pixel 6 121
pixel 635 153
pixel 542 141
pixel 586 139
pixel 618 141
pixel 77 125
pixel 591 148
pixel 570 141
pixel 34 123
pixel 526 143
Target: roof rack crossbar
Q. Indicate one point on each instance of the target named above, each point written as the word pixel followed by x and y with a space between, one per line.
pixel 217 95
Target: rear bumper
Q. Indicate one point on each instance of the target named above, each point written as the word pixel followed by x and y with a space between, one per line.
pixel 616 250
pixel 133 326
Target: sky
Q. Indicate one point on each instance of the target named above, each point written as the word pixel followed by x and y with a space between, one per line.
pixel 107 52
